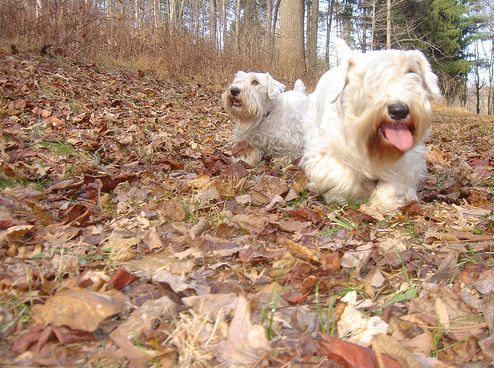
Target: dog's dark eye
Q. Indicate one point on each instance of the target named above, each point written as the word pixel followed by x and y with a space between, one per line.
pixel 255 83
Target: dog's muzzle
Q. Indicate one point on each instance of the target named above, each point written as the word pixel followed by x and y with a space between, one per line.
pixel 398 128
pixel 235 100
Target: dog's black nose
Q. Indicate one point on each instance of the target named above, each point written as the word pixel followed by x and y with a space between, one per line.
pixel 234 91
pixel 398 111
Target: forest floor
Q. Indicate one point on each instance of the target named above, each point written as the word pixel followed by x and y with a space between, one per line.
pixel 129 239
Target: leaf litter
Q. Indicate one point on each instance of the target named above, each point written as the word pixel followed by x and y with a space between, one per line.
pixel 129 238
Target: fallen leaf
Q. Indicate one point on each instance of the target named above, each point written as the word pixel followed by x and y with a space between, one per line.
pixel 266 188
pixel 246 343
pixel 350 355
pixel 121 279
pixel 79 309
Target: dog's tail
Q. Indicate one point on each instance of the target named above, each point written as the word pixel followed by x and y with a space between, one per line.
pixel 299 86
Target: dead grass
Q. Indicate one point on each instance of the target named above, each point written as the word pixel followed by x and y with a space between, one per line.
pixel 83 32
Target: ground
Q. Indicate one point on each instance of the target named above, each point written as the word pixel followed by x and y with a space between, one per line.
pixel 128 238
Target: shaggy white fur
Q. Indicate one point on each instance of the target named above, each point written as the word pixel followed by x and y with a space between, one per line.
pixel 267 119
pixel 368 119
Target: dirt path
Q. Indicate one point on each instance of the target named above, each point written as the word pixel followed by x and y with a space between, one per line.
pixel 118 192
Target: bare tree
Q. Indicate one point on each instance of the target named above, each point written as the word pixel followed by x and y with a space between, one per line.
pixel 212 22
pixel 312 36
pixel 291 56
pixel 388 24
pixel 329 21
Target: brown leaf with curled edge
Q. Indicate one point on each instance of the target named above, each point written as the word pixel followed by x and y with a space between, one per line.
pixel 411 208
pixel 292 225
pixel 41 335
pixel 350 355
pixel 246 343
pixel 238 170
pixel 301 252
pixel 142 319
pixel 251 223
pixel 295 297
pixel 108 183
pixel 359 217
pixel 79 309
pixel 256 254
pixel 307 214
pixel 121 279
pixel 174 210
pixel 266 188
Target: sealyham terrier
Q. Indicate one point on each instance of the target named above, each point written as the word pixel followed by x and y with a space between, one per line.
pixel 268 121
pixel 368 119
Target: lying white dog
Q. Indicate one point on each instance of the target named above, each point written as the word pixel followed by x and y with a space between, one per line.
pixel 368 119
pixel 268 121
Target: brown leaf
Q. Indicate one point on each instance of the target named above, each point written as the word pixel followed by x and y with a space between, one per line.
pixel 79 309
pixel 266 188
pixel 140 320
pixel 257 254
pixel 350 355
pixel 295 297
pixel 246 343
pixel 306 214
pixel 301 252
pixel 250 223
pixel 27 339
pixel 358 217
pixel 412 208
pixel 174 210
pixel 41 335
pixel 331 261
pixel 237 170
pixel 292 226
pixel 121 279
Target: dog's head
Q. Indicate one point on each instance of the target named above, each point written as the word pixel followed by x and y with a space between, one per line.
pixel 384 97
pixel 250 96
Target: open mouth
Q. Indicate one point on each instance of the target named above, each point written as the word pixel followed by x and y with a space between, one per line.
pixel 235 101
pixel 399 133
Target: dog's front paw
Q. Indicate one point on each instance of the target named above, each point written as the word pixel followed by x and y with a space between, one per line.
pixel 245 152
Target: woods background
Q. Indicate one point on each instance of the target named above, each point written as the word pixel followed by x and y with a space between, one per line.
pixel 211 39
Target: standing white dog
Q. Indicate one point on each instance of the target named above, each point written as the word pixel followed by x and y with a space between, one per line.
pixel 267 120
pixel 368 119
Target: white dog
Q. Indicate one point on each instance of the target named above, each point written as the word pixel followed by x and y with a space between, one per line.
pixel 368 119
pixel 267 120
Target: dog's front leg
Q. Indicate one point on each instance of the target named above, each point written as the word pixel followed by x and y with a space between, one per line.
pixel 390 195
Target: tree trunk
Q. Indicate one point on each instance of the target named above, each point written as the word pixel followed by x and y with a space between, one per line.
pixel 275 15
pixel 388 24
pixel 269 17
pixel 212 22
pixel 224 24
pixel 237 24
pixel 291 56
pixel 329 23
pixel 490 97
pixel 155 13
pixel 312 41
pixel 373 26
pixel 38 8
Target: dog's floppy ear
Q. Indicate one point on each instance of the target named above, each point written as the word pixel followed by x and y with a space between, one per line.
pixel 299 86
pixel 239 74
pixel 274 87
pixel 344 53
pixel 430 79
pixel 346 59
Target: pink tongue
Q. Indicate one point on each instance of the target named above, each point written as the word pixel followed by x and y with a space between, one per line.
pixel 399 136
